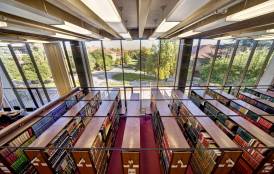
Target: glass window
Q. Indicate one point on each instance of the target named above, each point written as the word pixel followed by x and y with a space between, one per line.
pixel 15 76
pixel 96 63
pixel 191 64
pixel 257 62
pixel 149 62
pixel 44 69
pixel 112 51
pixel 131 51
pixel 239 62
pixel 72 63
pixel 221 63
pixel 168 61
pixel 204 61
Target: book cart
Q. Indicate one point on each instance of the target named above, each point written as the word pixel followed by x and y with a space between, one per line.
pixel 130 155
pixel 48 154
pixel 267 95
pixel 263 104
pixel 175 151
pixel 214 151
pixel 89 153
pixel 24 131
pixel 252 158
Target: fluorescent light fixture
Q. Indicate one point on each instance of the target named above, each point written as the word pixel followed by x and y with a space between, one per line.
pixel 270 31
pixel 125 35
pixel 185 8
pixel 37 41
pixel 3 24
pixel 118 27
pixel 265 37
pixel 152 38
pixel 224 38
pixel 165 26
pixel 189 33
pixel 213 25
pixel 73 28
pixel 105 9
pixel 26 29
pixel 105 39
pixel 19 9
pixel 3 44
pixel 64 36
pixel 252 12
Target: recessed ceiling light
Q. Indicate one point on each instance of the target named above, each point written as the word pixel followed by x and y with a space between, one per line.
pixel 3 24
pixel 223 38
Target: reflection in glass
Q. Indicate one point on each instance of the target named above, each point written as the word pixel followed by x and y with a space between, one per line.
pixel 204 60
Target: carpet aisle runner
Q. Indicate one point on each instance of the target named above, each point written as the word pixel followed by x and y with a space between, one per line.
pixel 150 161
pixel 115 164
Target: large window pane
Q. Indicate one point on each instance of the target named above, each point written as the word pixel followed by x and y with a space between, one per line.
pixel 239 62
pixel 168 60
pixel 191 64
pixel 16 77
pixel 149 62
pixel 257 62
pixel 204 61
pixel 96 63
pixel 112 51
pixel 222 61
pixel 131 51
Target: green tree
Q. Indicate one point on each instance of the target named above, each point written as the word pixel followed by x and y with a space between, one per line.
pixel 96 61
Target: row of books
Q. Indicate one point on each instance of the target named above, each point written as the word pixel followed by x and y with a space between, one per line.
pixel 252 156
pixel 264 95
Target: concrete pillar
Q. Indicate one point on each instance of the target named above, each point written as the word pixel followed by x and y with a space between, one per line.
pixel 60 74
pixel 268 75
pixel 80 57
pixel 183 62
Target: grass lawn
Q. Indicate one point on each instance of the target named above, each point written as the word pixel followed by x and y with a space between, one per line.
pixel 132 77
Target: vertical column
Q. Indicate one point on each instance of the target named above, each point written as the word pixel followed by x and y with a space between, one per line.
pixel 80 57
pixel 57 65
pixel 185 49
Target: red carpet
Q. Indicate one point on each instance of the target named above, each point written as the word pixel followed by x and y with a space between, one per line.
pixel 115 164
pixel 150 161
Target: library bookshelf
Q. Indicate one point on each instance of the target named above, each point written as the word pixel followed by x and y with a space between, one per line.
pixel 175 151
pixel 130 155
pixel 52 157
pixel 214 151
pixel 263 104
pixel 252 158
pixel 23 132
pixel 88 153
pixel 267 95
pixel 248 108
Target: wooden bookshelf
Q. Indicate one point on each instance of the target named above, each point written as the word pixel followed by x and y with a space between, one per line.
pixel 131 144
pixel 62 134
pixel 99 133
pixel 267 95
pixel 198 96
pixel 253 114
pixel 208 140
pixel 263 104
pixel 221 96
pixel 251 159
pixel 21 133
pixel 169 137
pixel 262 158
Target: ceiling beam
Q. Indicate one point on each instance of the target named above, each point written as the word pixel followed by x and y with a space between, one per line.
pixel 143 11
pixel 216 16
pixel 205 11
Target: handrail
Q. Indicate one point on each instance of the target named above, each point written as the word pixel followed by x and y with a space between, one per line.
pixel 12 127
